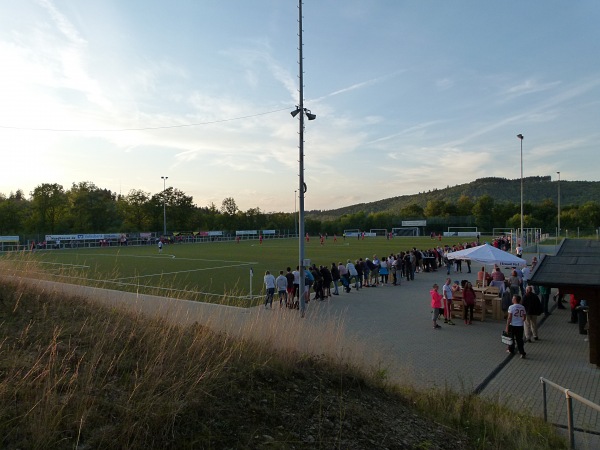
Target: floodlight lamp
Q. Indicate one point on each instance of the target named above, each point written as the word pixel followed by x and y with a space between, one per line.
pixel 520 136
pixel 310 115
pixel 295 112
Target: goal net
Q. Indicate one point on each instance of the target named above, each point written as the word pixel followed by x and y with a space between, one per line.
pixel 378 232
pixel 462 231
pixel 352 232
pixel 406 231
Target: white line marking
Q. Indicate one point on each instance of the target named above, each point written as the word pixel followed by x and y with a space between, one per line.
pixel 185 291
pixel 167 257
pixel 177 272
pixel 64 264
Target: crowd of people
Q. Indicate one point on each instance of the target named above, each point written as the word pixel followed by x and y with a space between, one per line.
pixel 521 303
pixel 324 281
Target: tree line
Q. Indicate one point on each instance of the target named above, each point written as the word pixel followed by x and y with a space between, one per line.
pixel 86 208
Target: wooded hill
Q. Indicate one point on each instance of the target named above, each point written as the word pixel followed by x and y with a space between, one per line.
pixel 536 190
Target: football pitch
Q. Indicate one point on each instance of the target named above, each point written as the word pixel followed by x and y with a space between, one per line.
pixel 215 272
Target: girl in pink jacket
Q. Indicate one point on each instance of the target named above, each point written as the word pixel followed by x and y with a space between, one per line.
pixel 436 304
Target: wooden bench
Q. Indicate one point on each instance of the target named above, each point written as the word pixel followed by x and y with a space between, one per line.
pixel 479 310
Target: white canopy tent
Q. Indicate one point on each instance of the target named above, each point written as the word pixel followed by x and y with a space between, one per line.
pixel 488 254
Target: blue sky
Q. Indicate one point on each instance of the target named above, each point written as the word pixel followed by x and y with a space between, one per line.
pixel 409 96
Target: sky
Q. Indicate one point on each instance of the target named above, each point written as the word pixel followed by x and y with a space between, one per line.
pixel 410 96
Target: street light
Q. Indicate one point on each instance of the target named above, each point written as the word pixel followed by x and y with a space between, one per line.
pixel 301 111
pixel 295 221
pixel 164 206
pixel 558 230
pixel 520 136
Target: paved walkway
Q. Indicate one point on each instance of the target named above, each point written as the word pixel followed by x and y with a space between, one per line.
pixel 471 357
pixel 391 326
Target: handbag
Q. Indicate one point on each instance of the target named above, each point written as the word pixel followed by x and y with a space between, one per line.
pixel 507 338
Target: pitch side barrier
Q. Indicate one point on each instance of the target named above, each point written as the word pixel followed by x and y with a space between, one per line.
pixel 61 242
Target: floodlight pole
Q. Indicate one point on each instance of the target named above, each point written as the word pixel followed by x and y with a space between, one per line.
pixel 164 206
pixel 558 230
pixel 520 136
pixel 301 184
pixel 295 216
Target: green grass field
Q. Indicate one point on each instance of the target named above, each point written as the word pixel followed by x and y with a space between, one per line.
pixel 215 272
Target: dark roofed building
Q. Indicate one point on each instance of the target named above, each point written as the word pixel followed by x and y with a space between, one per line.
pixel 576 270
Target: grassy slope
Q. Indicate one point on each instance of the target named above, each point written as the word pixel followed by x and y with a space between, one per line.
pixel 73 375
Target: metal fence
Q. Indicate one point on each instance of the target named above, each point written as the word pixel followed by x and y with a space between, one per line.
pixel 569 396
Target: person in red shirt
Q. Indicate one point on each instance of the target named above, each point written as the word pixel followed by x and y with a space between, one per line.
pixel 497 275
pixel 436 304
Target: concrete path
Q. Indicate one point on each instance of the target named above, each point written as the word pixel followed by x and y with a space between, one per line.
pixel 390 327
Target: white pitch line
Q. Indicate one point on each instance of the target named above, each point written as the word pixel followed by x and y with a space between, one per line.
pixel 63 264
pixel 180 290
pixel 177 272
pixel 169 257
pixel 156 287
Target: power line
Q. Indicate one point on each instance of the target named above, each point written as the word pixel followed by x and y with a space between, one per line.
pixel 145 128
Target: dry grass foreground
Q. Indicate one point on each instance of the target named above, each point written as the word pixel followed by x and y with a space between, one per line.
pixel 74 374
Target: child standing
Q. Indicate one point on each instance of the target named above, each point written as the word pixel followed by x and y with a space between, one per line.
pixel 436 304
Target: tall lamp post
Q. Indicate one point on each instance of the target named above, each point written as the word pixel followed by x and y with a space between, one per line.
pixel 295 218
pixel 520 136
pixel 301 111
pixel 164 206
pixel 558 229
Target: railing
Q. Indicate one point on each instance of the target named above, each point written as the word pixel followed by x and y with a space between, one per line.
pixel 569 396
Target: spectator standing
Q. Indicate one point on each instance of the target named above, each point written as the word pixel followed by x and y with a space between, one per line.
pixel 408 266
pixel 436 304
pixel 514 283
pixel 352 273
pixel 327 279
pixel 289 276
pixel 358 264
pixel 506 299
pixel 281 284
pixel 447 296
pixel 515 325
pixel 270 287
pixel 371 268
pixel 574 302
pixel 296 274
pixel 482 276
pixel 335 277
pixel 497 275
pixel 384 271
pixel 413 264
pixel 468 296
pixel 545 299
pixel 318 285
pixel 447 262
pixel 533 308
pixel 375 271
pixel 344 276
pixel 582 312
